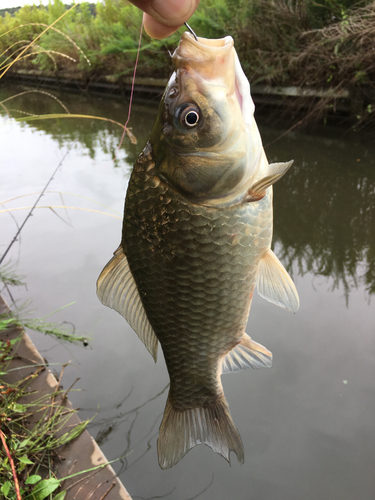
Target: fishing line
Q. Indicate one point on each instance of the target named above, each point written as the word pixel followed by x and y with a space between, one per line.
pixel 191 31
pixel 132 90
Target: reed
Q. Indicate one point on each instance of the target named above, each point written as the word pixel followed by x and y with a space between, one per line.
pixel 28 452
pixel 325 44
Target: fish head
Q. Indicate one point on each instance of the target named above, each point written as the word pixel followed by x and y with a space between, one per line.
pixel 205 141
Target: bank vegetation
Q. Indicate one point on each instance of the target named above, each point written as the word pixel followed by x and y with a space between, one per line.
pixel 322 44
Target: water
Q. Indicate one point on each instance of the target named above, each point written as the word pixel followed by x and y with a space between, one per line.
pixel 308 423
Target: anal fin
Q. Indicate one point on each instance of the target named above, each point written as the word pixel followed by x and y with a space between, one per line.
pixel 247 354
pixel 275 171
pixel 117 289
pixel 274 283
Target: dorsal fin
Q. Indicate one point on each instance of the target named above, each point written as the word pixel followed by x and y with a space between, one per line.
pixel 274 172
pixel 274 283
pixel 117 289
pixel 246 354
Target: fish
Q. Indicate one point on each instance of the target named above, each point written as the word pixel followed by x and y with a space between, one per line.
pixel 196 241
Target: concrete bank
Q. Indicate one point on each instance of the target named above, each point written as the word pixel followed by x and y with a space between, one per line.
pixel 80 454
pixel 342 101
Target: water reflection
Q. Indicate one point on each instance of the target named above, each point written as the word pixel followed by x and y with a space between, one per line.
pixel 109 425
pixel 198 495
pixel 120 420
pixel 324 207
pixel 307 421
pixel 325 211
pixel 93 134
pixel 326 224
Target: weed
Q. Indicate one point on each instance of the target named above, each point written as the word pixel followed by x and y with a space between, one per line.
pixel 279 42
pixel 27 449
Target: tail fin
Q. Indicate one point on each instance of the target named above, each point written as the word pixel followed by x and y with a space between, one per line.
pixel 182 430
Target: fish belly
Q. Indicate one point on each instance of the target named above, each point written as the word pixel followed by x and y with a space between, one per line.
pixel 195 268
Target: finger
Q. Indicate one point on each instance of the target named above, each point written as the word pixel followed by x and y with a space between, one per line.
pixel 157 30
pixel 168 12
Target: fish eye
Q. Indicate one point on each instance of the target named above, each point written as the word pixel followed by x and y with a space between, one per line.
pixel 189 116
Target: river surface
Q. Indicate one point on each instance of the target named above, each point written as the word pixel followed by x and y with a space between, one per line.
pixel 308 424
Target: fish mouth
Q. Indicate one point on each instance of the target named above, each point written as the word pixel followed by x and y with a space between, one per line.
pixel 212 59
pixel 212 68
pixel 223 45
pixel 216 62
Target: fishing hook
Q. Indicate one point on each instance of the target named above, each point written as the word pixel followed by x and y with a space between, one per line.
pixel 191 31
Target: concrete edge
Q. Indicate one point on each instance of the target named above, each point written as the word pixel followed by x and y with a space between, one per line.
pixel 80 454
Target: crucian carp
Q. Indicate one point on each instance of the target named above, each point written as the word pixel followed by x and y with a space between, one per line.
pixel 196 241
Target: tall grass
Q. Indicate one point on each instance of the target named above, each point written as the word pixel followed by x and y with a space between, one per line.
pixel 279 42
pixel 27 452
pixel 106 33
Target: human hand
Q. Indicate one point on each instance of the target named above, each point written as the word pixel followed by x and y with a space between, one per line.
pixel 163 17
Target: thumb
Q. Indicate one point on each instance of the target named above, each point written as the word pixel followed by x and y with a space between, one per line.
pixel 164 17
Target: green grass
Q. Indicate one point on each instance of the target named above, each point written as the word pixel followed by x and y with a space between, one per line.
pixel 27 453
pixel 103 37
pixel 279 42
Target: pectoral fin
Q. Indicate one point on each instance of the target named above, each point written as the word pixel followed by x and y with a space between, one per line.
pixel 274 283
pixel 275 171
pixel 247 354
pixel 117 289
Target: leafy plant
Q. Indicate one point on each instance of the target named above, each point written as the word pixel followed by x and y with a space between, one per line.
pixel 25 450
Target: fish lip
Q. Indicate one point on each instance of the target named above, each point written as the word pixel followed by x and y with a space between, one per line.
pixel 211 59
pixel 210 44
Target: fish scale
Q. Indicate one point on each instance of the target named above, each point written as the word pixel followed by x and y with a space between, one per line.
pixel 177 268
